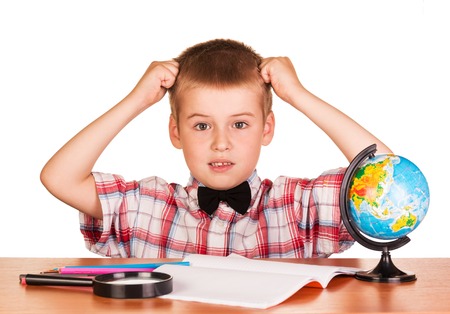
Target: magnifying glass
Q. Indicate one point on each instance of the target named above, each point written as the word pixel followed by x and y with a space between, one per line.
pixel 123 285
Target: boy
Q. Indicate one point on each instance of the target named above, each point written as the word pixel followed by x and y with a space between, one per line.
pixel 220 95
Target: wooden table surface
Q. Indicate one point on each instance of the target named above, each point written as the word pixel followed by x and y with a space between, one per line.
pixel 430 293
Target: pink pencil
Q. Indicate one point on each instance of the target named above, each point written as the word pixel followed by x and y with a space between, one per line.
pixel 98 271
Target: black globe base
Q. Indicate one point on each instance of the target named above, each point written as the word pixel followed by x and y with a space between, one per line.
pixel 386 272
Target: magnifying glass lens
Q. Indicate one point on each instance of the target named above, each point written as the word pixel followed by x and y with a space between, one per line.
pixel 132 285
pixel 133 281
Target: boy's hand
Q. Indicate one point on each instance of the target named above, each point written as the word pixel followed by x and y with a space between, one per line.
pixel 153 85
pixel 280 73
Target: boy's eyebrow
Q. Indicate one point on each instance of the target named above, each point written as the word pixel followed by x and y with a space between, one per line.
pixel 195 115
pixel 244 114
pixel 201 115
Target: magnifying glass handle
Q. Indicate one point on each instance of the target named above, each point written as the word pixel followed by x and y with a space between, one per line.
pixel 48 280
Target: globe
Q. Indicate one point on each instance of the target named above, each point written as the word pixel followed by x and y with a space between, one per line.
pixel 388 197
pixel 383 198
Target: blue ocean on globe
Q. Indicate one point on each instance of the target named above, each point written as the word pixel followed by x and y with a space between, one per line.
pixel 388 197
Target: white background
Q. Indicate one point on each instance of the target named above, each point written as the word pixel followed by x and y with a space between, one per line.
pixel 63 63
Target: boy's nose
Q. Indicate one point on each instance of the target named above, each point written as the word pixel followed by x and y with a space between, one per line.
pixel 221 142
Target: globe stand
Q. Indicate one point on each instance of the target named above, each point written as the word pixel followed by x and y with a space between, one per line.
pixel 385 271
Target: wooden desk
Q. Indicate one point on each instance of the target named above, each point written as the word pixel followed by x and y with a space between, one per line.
pixel 429 294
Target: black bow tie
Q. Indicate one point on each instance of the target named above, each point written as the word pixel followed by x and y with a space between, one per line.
pixel 237 198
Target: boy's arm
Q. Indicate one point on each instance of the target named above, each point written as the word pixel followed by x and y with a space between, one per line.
pixel 350 137
pixel 68 174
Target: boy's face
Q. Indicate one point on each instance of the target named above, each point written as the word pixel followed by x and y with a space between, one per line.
pixel 221 132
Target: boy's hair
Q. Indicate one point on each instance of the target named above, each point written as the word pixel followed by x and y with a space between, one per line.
pixel 219 63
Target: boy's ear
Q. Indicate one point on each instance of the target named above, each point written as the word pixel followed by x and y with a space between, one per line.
pixel 269 129
pixel 174 133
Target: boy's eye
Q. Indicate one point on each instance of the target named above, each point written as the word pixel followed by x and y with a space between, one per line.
pixel 201 126
pixel 240 125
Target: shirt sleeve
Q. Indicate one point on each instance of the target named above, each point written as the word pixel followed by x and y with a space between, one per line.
pixel 124 215
pixel 319 214
pixel 110 236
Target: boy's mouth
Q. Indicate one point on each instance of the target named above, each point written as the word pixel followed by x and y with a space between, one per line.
pixel 221 164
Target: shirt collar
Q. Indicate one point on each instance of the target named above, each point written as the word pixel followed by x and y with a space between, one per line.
pixel 254 181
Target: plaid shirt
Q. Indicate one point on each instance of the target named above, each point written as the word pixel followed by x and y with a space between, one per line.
pixel 151 218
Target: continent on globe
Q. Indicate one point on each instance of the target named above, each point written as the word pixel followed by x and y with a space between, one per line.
pixel 405 221
pixel 368 185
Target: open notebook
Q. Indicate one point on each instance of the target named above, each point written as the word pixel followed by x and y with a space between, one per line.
pixel 239 281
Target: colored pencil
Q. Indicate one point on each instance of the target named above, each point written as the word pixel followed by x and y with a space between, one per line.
pixel 145 265
pixel 112 268
pixel 99 271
